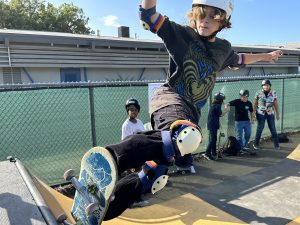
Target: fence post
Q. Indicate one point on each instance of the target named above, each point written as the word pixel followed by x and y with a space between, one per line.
pixel 92 115
pixel 282 105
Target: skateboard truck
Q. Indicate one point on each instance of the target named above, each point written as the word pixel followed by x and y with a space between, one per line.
pixel 69 175
pixel 62 219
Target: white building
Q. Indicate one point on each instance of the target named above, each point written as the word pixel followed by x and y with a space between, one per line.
pixel 34 57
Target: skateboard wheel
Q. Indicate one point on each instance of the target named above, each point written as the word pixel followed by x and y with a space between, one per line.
pixel 182 172
pixel 61 218
pixel 69 174
pixel 91 208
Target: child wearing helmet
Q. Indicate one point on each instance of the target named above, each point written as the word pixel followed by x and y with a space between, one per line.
pixel 132 124
pixel 196 55
pixel 158 149
pixel 266 109
pixel 213 125
pixel 242 122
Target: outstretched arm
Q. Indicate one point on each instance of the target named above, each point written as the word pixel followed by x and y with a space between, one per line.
pixel 147 4
pixel 271 57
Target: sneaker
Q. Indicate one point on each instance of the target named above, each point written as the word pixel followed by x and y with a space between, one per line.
pixel 242 152
pixel 192 168
pixel 277 148
pixel 214 157
pixel 247 147
pixel 139 204
pixel 256 147
pixel 207 157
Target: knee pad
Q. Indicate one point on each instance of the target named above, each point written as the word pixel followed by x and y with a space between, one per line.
pixel 153 177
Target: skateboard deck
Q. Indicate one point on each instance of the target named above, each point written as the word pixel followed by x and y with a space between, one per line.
pixel 95 186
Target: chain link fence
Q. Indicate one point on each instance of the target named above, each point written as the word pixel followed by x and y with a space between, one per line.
pixel 50 126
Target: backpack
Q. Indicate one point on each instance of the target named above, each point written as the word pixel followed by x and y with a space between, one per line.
pixel 231 147
pixel 283 138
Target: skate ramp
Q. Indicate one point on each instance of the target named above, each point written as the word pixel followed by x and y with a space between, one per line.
pixel 186 209
pixel 268 196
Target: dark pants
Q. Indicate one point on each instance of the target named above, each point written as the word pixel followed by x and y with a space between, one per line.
pixel 261 119
pixel 164 117
pixel 133 152
pixel 212 144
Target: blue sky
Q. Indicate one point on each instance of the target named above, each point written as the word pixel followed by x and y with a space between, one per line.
pixel 266 22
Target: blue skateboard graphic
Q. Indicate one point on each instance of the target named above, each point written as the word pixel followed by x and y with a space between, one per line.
pixel 95 186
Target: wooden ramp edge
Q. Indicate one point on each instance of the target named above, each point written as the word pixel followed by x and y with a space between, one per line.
pixel 295 155
pixel 57 202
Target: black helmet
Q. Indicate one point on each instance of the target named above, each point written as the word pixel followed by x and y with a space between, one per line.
pixel 134 102
pixel 266 82
pixel 219 97
pixel 244 93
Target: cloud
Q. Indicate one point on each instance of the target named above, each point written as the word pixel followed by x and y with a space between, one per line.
pixel 110 21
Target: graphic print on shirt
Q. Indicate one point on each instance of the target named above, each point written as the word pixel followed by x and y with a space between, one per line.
pixel 198 78
pixel 265 104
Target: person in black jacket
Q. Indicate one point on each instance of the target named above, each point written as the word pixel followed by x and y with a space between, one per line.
pixel 213 125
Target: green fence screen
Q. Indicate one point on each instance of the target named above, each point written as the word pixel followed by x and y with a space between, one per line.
pixel 49 129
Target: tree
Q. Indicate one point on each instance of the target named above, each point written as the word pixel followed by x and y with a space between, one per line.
pixel 42 16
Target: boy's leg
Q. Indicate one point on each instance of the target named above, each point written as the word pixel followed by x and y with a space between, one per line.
pixel 163 118
pixel 214 134
pixel 247 129
pixel 131 187
pixel 272 128
pixel 128 190
pixel 135 150
pixel 260 126
pixel 239 133
pixel 209 145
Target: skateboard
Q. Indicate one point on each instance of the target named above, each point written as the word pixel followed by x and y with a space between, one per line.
pixel 220 149
pixel 94 188
pixel 179 169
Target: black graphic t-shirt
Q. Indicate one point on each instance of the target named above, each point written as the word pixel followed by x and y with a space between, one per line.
pixel 241 109
pixel 193 65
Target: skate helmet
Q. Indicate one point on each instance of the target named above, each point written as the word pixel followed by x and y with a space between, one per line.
pixel 266 81
pixel 219 97
pixel 226 5
pixel 133 102
pixel 188 136
pixel 244 93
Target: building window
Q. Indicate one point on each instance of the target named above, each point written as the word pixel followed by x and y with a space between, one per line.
pixel 70 75
pixel 12 75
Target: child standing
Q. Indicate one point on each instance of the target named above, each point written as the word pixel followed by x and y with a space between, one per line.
pixel 213 125
pixel 132 124
pixel 266 109
pixel 242 122
pixel 196 55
